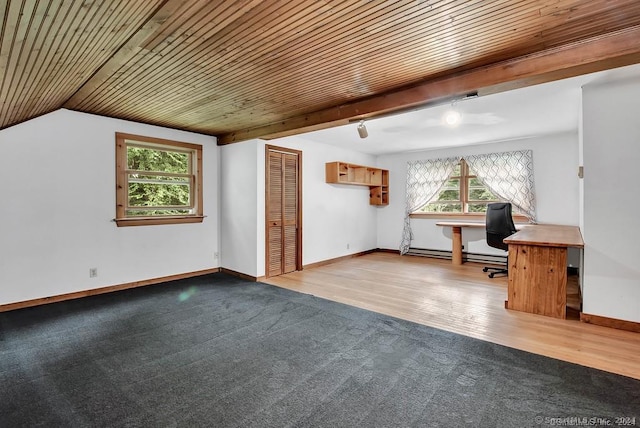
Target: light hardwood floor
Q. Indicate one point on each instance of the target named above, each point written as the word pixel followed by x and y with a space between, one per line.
pixel 461 299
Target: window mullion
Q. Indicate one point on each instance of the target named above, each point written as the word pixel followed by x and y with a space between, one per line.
pixel 464 185
pixel 158 173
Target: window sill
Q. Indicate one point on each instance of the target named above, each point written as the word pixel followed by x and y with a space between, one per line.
pixel 154 221
pixel 468 216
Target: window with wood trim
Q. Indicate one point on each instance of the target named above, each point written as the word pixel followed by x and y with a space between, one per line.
pixel 157 181
pixel 463 193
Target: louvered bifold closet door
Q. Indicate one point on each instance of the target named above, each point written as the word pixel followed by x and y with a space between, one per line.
pixel 274 215
pixel 290 212
pixel 283 212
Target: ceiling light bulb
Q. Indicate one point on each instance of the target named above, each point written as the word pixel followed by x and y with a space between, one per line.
pixel 452 117
pixel 362 130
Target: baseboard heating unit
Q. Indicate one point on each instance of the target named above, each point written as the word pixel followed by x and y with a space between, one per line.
pixel 467 257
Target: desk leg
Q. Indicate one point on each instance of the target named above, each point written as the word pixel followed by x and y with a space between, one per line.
pixel 456 258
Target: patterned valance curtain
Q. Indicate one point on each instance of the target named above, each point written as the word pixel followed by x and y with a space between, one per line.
pixel 509 176
pixel 424 181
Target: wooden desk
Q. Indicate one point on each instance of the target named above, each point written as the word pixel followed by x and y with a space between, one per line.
pixel 456 229
pixel 538 268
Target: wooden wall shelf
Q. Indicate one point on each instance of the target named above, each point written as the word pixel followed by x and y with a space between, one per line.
pixel 377 179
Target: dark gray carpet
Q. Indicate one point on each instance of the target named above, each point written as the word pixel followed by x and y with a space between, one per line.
pixel 218 351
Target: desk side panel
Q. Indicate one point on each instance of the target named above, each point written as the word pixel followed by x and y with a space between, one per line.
pixel 538 280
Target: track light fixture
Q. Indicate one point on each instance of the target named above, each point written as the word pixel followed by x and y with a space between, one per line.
pixel 362 130
pixel 451 118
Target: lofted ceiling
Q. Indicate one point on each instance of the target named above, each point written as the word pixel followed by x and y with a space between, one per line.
pixel 270 68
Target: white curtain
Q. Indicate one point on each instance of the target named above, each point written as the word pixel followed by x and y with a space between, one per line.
pixel 424 181
pixel 509 176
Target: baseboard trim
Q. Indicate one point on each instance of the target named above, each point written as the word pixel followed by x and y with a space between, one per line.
pixel 610 322
pixel 387 250
pixel 337 259
pixel 102 290
pixel 243 275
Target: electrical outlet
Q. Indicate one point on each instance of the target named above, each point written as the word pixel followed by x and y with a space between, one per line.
pixel 347 246
pixel 93 272
pixel 216 255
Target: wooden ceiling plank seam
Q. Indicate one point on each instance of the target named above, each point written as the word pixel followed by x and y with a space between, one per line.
pixel 198 101
pixel 577 28
pixel 15 19
pixel 354 30
pixel 179 18
pixel 11 51
pixel 14 54
pixel 148 17
pixel 71 19
pixel 385 53
pixel 590 12
pixel 59 75
pixel 42 46
pixel 166 70
pixel 319 92
pixel 374 48
pixel 567 8
pixel 6 22
pixel 265 53
pixel 582 10
pixel 565 61
pixel 122 19
pixel 12 18
pixel 447 46
pixel 47 51
pixel 132 64
pixel 272 26
pixel 209 27
pixel 626 63
pixel 54 89
pixel 123 53
pixel 21 91
pixel 71 66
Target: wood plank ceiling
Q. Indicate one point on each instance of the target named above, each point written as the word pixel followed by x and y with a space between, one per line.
pixel 263 68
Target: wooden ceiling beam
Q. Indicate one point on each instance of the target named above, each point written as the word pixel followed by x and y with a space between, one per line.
pixel 604 52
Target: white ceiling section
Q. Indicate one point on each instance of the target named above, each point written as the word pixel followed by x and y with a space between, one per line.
pixel 522 113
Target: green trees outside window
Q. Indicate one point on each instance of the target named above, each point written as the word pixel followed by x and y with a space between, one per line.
pixel 462 193
pixel 159 180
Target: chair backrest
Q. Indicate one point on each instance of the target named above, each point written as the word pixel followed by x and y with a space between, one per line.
pixel 499 224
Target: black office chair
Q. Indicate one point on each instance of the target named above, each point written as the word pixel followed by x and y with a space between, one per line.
pixel 499 226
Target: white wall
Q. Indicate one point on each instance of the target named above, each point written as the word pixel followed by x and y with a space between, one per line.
pixel 58 175
pixel 332 215
pixel 555 160
pixel 611 151
pixel 239 208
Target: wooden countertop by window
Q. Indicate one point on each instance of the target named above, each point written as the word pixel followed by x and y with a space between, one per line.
pixel 547 235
